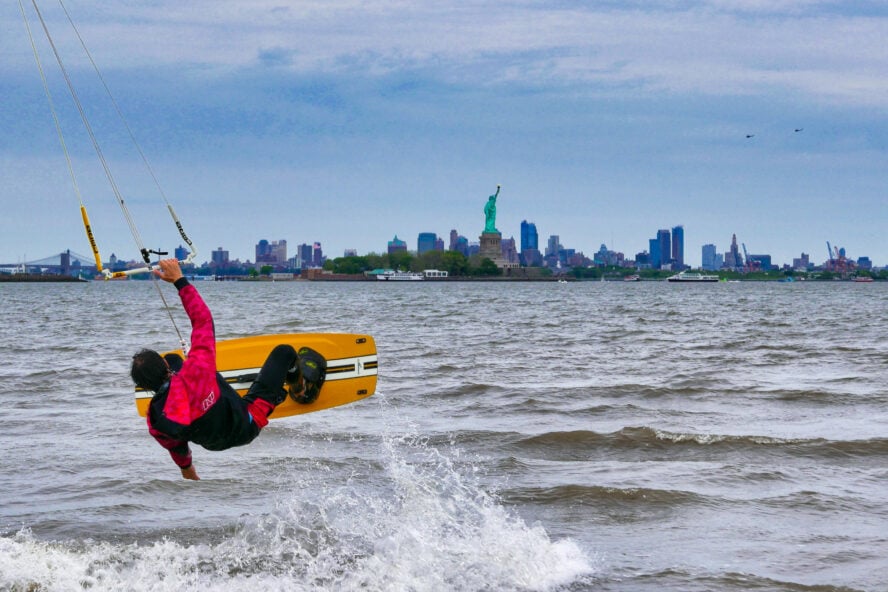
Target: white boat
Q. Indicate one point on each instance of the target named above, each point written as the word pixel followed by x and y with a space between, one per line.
pixel 691 276
pixel 399 276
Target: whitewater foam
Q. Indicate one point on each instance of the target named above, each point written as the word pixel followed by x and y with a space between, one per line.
pixel 424 526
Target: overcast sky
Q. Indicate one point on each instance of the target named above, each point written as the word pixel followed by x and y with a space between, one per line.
pixel 350 122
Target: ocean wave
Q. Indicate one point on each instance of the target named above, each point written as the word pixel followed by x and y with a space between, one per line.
pixel 584 442
pixel 597 495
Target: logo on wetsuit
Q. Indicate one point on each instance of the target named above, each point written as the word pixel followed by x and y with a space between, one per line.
pixel 208 402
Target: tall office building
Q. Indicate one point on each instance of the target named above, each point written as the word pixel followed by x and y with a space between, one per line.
pixel 655 259
pixel 279 251
pixel 529 237
pixel 395 245
pixel 317 255
pixel 553 246
pixel 271 252
pixel 678 246
pixel 263 251
pixel 219 258
pixel 303 256
pixel 663 239
pixel 454 237
pixel 461 245
pixel 709 257
pixel 510 253
pixel 426 242
pixel 732 257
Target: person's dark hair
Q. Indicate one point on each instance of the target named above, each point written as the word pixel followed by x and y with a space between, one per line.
pixel 149 370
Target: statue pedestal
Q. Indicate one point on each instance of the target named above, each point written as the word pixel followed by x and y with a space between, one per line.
pixel 492 248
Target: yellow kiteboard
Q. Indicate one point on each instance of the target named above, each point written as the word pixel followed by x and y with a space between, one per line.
pixel 351 368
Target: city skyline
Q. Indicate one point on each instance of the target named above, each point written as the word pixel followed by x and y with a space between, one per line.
pixel 664 236
pixel 352 124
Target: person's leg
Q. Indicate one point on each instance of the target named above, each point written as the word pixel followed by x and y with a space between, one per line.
pixel 269 384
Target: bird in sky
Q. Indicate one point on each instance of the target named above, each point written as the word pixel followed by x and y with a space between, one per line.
pixel 798 129
pixel 750 135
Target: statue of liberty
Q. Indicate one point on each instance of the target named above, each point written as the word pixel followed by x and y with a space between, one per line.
pixel 490 213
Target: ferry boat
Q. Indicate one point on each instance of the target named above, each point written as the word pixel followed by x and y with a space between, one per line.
pixel 691 276
pixel 632 278
pixel 399 276
pixel 863 279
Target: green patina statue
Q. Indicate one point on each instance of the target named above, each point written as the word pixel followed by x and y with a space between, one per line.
pixel 490 212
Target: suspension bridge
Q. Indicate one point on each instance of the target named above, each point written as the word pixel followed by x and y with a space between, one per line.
pixel 65 263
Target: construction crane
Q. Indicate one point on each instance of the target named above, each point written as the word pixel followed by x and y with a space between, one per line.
pixel 837 260
pixel 749 262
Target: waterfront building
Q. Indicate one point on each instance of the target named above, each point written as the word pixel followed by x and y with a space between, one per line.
pixel 709 257
pixel 802 263
pixel 531 258
pixel 530 245
pixel 270 253
pixel 263 250
pixel 864 263
pixel 304 254
pixel 395 245
pixel 426 242
pixel 678 257
pixel 180 252
pixel 461 245
pixel 665 247
pixel 733 260
pixel 654 259
pixel 605 256
pixel 219 258
pixel 553 245
pixel 350 253
pixel 509 251
pixel 762 262
pixel 317 255
pixel 529 237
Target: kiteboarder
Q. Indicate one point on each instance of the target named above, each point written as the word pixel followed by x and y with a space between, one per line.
pixel 193 403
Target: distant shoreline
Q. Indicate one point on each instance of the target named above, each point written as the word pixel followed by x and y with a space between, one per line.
pixel 37 277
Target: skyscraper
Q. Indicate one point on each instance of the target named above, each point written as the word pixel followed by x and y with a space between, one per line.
pixel 271 252
pixel 709 258
pixel 663 239
pixel 426 242
pixel 317 255
pixel 219 257
pixel 732 257
pixel 396 245
pixel 303 256
pixel 678 246
pixel 656 260
pixel 529 237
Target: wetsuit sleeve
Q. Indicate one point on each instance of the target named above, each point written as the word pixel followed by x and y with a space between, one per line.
pixel 198 375
pixel 178 449
pixel 203 333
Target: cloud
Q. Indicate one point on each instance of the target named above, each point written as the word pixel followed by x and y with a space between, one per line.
pixel 814 49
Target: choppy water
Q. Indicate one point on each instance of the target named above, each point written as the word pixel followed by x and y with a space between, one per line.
pixel 589 436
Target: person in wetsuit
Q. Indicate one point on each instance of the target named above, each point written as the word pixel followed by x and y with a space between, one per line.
pixel 192 402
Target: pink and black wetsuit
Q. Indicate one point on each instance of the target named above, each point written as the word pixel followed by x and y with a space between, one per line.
pixel 197 405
